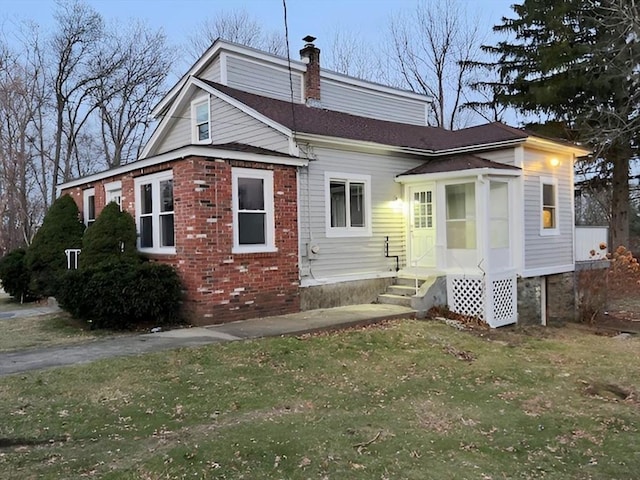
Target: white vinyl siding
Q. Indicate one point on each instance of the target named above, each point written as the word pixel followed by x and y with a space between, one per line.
pixel 368 103
pixel 229 124
pixel 551 251
pixel 178 133
pixel 506 156
pixel 211 71
pixel 256 77
pixel 352 256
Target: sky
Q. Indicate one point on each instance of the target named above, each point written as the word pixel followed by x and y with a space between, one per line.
pixel 366 20
pixel 320 18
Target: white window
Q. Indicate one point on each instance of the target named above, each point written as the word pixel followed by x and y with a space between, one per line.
pixel 461 216
pixel 253 215
pixel 89 206
pixel 113 193
pixel 549 206
pixel 348 204
pixel 201 120
pixel 498 215
pixel 154 212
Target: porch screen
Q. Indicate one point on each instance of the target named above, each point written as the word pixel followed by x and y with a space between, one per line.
pixel 461 216
pixel 251 211
pixel 499 215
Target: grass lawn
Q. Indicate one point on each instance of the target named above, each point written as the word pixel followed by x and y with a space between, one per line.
pixel 407 400
pixel 43 331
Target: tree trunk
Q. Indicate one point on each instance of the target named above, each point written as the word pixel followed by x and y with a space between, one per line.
pixel 619 227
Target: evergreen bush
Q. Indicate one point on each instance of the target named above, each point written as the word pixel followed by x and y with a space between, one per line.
pixel 122 295
pixel 14 274
pixel 111 239
pixel 45 257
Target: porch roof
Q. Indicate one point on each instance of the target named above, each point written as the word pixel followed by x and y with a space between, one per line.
pixel 457 163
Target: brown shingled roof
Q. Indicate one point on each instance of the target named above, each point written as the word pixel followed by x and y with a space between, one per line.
pixel 330 123
pixel 456 163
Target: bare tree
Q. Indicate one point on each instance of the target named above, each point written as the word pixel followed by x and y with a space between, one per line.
pixel 350 55
pixel 80 60
pixel 434 49
pixel 19 101
pixel 239 27
pixel 126 97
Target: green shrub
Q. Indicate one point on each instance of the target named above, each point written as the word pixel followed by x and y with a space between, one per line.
pixel 45 258
pixel 122 295
pixel 14 274
pixel 111 239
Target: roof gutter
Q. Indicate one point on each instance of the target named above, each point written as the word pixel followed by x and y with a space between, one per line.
pixel 471 172
pixel 183 152
pixel 320 139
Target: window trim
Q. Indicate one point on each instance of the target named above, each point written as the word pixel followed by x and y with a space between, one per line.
pixel 348 231
pixel 88 192
pixel 109 190
pixel 153 179
pixel 554 183
pixel 267 177
pixel 194 124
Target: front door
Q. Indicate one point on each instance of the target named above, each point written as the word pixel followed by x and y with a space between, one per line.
pixel 422 226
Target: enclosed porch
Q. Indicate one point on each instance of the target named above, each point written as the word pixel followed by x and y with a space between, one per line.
pixel 462 224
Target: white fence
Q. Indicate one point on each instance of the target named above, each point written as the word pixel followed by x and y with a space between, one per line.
pixel 589 243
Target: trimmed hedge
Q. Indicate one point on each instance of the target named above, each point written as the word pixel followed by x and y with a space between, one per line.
pixel 14 274
pixel 122 295
pixel 45 258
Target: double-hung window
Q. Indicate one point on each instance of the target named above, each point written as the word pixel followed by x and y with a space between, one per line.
pixel 89 206
pixel 113 193
pixel 348 204
pixel 549 206
pixel 253 214
pixel 154 212
pixel 201 120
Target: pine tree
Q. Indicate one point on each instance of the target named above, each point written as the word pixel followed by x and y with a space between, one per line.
pixel 561 62
pixel 111 238
pixel 46 259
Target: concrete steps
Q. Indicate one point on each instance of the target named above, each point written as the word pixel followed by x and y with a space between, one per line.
pixel 401 292
pixel 430 291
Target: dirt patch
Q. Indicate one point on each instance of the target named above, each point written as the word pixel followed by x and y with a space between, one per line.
pixel 610 391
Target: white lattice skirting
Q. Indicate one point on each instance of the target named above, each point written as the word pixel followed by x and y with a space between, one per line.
pixel 492 298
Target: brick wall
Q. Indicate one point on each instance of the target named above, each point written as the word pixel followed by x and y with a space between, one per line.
pixel 221 286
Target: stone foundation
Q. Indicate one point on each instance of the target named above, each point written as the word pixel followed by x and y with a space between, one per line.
pixel 343 293
pixel 529 300
pixel 561 297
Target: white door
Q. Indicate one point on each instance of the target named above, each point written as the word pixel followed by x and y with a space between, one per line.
pixel 422 226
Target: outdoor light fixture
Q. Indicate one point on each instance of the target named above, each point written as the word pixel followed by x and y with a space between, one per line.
pixel 554 162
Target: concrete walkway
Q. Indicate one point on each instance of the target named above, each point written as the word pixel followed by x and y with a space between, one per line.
pixel 291 324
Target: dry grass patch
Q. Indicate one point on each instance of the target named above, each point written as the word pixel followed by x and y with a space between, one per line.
pixel 42 331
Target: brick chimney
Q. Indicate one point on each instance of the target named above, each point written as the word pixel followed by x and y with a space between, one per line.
pixel 310 55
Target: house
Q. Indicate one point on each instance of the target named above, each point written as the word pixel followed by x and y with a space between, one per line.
pixel 275 186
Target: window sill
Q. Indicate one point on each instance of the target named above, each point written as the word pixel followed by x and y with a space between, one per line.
pixel 159 251
pixel 238 249
pixel 549 232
